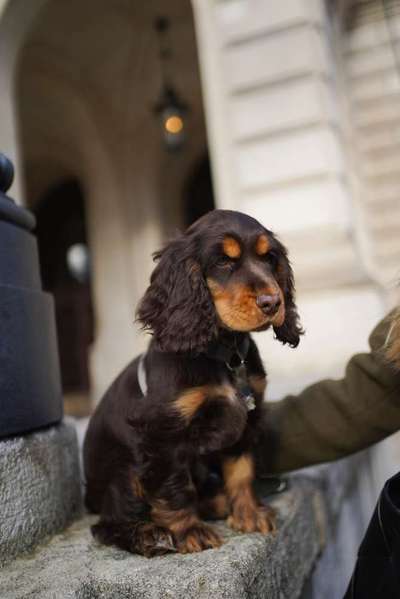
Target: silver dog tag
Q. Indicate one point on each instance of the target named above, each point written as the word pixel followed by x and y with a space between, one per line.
pixel 250 402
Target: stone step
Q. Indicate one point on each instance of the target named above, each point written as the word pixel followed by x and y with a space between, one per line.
pixel 72 564
pixel 40 489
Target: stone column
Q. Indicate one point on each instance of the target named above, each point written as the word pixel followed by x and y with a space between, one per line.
pixel 30 388
pixel 39 466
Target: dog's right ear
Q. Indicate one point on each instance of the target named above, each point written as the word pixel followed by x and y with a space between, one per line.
pixel 177 306
pixel 291 330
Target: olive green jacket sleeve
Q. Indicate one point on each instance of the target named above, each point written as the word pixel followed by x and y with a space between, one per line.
pixel 334 418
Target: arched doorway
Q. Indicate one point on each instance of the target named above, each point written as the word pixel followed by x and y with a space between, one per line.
pixel 86 90
pixel 65 270
pixel 198 196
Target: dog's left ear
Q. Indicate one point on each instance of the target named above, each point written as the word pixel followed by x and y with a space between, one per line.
pixel 177 306
pixel 290 331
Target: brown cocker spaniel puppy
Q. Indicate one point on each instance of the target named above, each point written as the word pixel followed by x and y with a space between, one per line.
pixel 171 441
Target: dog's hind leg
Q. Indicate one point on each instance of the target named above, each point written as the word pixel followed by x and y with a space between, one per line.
pixel 125 522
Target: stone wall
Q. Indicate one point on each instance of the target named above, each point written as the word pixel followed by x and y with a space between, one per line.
pixel 276 131
pixel 370 45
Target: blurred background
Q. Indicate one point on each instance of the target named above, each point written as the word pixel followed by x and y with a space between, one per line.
pixel 128 120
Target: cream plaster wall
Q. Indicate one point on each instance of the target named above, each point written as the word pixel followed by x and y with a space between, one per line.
pixel 273 89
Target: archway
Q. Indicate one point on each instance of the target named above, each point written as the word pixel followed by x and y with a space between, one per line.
pixel 198 193
pixel 86 89
pixel 65 270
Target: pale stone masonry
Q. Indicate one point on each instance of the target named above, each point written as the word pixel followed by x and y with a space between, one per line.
pixel 371 62
pixel 276 127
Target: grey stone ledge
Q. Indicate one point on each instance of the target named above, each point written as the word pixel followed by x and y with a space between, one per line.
pixel 254 566
pixel 39 488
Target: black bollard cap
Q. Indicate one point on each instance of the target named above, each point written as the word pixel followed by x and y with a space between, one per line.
pixel 9 211
pixel 6 173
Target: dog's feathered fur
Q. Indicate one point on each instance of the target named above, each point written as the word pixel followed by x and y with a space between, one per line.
pixel 156 465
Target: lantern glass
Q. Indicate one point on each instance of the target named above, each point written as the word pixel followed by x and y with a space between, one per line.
pixel 173 127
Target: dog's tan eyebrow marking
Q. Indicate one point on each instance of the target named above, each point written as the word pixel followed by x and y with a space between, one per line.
pixel 262 245
pixel 231 247
pixel 191 400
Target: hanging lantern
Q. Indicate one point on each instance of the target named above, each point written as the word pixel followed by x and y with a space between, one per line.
pixel 170 109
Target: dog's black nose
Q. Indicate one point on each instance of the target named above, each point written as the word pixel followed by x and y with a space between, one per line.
pixel 269 303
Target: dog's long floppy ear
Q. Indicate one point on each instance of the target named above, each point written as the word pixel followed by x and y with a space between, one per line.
pixel 290 331
pixel 177 306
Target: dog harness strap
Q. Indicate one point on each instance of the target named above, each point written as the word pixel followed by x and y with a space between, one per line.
pixel 234 357
pixel 141 374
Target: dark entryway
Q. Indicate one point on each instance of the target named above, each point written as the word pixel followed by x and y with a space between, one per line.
pixel 65 269
pixel 198 192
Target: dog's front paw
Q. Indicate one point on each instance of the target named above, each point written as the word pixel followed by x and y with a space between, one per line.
pixel 152 540
pixel 252 519
pixel 197 538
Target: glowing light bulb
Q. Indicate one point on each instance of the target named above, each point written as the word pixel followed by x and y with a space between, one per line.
pixel 173 124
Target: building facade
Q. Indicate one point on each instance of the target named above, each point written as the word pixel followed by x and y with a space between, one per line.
pixel 294 102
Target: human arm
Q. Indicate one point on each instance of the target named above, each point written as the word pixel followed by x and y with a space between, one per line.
pixel 333 418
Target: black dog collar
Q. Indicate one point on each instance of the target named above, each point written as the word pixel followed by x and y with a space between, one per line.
pixel 232 353
pixel 231 350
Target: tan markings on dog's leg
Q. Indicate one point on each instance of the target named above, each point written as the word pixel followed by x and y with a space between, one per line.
pixel 262 245
pixel 237 473
pixel 175 520
pixel 258 383
pixel 220 505
pixel 216 507
pixel 137 487
pixel 246 513
pixel 191 400
pixel 231 247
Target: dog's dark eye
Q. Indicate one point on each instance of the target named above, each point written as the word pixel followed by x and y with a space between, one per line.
pixel 271 258
pixel 224 262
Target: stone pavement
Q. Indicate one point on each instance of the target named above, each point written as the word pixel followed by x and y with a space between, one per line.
pixel 73 565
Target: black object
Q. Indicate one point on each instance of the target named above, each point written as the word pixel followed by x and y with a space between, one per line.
pixel 170 108
pixel 377 571
pixel 271 485
pixel 30 388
